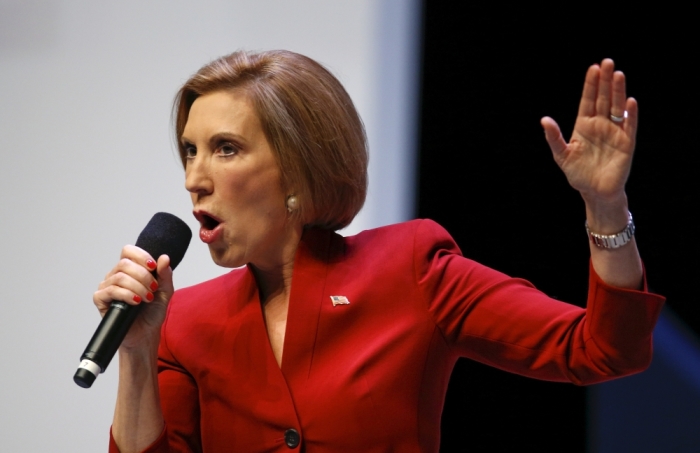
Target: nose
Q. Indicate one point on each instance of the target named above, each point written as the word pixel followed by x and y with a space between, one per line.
pixel 198 176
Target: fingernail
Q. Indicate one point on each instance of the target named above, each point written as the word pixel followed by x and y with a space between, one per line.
pixel 154 286
pixel 151 264
pixel 137 298
pixel 149 297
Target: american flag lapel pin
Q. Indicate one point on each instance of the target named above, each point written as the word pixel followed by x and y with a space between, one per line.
pixel 340 300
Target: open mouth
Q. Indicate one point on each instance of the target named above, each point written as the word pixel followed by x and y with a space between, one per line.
pixel 208 222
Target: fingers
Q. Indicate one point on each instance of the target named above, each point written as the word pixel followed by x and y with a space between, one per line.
pixel 587 107
pixel 138 255
pixel 632 119
pixel 553 135
pixel 604 98
pixel 605 93
pixel 130 280
pixel 619 95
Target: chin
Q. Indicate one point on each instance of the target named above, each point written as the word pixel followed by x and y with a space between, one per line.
pixel 221 258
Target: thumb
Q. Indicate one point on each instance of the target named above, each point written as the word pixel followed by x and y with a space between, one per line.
pixel 165 276
pixel 552 134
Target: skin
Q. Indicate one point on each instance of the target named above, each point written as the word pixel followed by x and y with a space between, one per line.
pixel 232 174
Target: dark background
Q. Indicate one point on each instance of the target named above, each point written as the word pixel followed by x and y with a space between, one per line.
pixel 487 175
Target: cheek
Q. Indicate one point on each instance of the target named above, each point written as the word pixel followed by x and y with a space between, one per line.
pixel 251 199
pixel 262 190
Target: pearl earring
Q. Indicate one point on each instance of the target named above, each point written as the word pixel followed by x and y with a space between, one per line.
pixel 292 203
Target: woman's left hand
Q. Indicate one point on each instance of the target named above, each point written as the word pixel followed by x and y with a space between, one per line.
pixel 597 162
pixel 597 159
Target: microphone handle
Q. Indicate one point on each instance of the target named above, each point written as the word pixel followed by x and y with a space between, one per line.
pixel 105 342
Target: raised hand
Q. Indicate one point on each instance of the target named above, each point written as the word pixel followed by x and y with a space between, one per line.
pixel 597 161
pixel 598 157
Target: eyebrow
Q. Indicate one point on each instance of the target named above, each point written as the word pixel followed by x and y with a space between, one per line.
pixel 214 139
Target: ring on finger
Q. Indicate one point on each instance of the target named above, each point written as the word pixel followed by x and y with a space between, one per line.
pixel 618 119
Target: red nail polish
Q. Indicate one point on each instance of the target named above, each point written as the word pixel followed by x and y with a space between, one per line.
pixel 151 264
pixel 154 286
pixel 149 297
pixel 137 298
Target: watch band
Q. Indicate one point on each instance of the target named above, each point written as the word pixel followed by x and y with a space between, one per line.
pixel 613 241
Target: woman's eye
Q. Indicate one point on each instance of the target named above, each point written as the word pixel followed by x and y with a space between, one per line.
pixel 190 151
pixel 227 149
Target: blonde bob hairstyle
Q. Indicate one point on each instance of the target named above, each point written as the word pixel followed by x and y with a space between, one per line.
pixel 309 120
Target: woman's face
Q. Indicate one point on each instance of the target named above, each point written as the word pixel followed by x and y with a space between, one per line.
pixel 235 183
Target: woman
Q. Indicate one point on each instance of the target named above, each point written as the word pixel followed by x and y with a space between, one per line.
pixel 326 343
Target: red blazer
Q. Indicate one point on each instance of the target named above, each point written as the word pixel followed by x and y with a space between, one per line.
pixel 371 376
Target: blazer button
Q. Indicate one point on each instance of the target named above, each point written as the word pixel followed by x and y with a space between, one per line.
pixel 292 438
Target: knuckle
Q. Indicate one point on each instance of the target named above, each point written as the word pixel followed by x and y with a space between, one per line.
pixel 121 279
pixel 134 253
pixel 101 299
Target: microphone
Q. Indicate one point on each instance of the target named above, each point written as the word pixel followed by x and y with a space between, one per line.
pixel 165 234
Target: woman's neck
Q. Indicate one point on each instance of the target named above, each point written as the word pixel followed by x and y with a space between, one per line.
pixel 275 283
pixel 273 275
pixel 274 288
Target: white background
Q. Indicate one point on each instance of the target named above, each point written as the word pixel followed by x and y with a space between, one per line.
pixel 85 97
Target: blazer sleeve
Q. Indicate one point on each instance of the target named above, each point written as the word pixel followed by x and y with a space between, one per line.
pixel 179 400
pixel 507 323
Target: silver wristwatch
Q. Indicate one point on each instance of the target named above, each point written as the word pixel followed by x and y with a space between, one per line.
pixel 613 241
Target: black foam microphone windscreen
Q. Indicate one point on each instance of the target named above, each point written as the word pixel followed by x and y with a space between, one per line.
pixel 165 234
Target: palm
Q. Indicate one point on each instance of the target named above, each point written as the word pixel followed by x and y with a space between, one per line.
pixel 597 158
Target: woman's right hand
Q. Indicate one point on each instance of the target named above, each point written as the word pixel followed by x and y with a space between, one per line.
pixel 131 281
